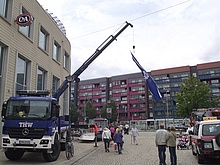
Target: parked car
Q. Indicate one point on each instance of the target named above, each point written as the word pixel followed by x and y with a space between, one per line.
pixel 206 140
pixel 178 127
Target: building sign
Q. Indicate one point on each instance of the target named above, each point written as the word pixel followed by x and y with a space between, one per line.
pixel 24 19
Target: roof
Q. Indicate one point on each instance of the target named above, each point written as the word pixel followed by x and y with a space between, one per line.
pixel 209 122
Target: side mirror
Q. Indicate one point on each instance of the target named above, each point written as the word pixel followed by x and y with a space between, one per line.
pixel 57 110
pixel 4 107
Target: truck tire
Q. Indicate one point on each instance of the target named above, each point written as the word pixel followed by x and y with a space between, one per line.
pixel 217 139
pixel 13 154
pixel 201 159
pixel 50 157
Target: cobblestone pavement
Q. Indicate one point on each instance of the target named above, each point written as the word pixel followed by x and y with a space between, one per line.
pixel 145 153
pixel 81 149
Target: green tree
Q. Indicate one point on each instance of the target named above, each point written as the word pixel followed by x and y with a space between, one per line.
pixel 74 113
pixel 113 116
pixel 90 110
pixel 194 94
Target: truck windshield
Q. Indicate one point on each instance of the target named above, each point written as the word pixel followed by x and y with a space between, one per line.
pixel 32 109
pixel 211 129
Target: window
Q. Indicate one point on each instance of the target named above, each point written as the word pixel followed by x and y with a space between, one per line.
pixel 6 8
pixel 44 39
pixel 21 73
pixel 1 64
pixel 214 81
pixel 1 59
pixel 56 51
pixel 66 61
pixel 41 79
pixel 55 84
pixel 27 30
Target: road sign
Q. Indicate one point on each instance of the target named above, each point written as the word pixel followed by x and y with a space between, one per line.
pixel 108 110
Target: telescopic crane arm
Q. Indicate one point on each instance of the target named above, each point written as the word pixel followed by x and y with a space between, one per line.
pixel 82 68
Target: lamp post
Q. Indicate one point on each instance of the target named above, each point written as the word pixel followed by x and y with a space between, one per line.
pixel 85 109
pixel 167 114
pixel 117 113
pixel 70 80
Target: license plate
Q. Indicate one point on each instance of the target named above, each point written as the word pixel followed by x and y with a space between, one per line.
pixel 24 142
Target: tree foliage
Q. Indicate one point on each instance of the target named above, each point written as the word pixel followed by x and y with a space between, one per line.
pixel 194 95
pixel 74 113
pixel 113 116
pixel 90 110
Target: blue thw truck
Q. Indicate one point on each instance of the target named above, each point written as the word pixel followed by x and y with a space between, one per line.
pixel 31 120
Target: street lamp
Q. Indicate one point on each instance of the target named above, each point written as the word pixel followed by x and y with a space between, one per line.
pixel 85 108
pixel 117 108
pixel 167 113
pixel 167 116
pixel 70 79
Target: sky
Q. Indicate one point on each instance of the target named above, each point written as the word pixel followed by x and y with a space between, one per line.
pixel 165 33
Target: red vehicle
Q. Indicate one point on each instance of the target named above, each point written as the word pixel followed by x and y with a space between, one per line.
pixel 204 114
pixel 206 140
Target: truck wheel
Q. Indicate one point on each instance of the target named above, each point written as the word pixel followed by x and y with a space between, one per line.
pixel 50 157
pixel 13 154
pixel 217 139
pixel 201 159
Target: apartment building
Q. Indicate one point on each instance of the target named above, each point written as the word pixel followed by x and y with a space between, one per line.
pixel 132 97
pixel 34 49
pixel 95 91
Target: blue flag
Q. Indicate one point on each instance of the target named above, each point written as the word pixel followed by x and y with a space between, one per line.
pixel 150 81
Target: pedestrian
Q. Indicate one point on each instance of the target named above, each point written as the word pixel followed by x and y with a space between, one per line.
pixel 112 129
pixel 171 143
pixel 189 132
pixel 134 133
pixel 126 129
pixel 118 139
pixel 106 137
pixel 160 140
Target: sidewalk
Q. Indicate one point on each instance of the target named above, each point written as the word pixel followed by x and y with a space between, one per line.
pixel 81 149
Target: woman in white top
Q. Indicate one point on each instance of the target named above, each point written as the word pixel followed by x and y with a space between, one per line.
pixel 106 136
pixel 134 133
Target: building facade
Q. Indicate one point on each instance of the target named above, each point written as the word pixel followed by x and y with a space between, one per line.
pixel 34 50
pixel 131 95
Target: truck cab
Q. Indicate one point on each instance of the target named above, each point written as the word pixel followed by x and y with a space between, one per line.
pixel 31 123
pixel 206 140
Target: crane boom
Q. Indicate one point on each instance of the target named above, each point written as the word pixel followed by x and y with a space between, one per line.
pixel 83 67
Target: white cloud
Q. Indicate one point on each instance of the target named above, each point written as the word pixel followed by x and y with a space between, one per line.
pixel 186 34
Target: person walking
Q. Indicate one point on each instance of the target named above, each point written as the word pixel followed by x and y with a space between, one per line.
pixel 126 129
pixel 112 129
pixel 118 137
pixel 171 143
pixel 106 136
pixel 189 132
pixel 134 133
pixel 160 140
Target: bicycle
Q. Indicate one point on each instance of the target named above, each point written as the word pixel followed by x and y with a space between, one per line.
pixel 69 144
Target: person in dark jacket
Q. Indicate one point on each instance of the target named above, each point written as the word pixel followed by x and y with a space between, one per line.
pixel 118 138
